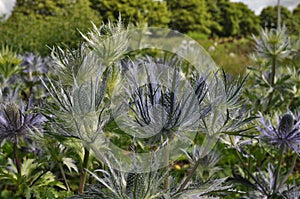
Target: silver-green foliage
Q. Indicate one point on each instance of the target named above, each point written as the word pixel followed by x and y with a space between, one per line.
pixel 78 93
pixel 79 106
pixel 274 75
pixel 115 184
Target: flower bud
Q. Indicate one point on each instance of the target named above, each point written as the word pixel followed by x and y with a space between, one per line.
pixel 286 124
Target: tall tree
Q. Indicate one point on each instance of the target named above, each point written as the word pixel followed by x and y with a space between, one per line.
pixel 296 19
pixel 154 13
pixel 269 17
pixel 189 15
pixel 232 19
pixel 36 24
pixel 248 21
pixel 215 12
pixel 41 8
pixel 236 19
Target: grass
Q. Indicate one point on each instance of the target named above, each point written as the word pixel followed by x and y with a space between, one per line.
pixel 230 54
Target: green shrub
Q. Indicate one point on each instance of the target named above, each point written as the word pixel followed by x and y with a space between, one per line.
pixel 197 36
pixel 9 64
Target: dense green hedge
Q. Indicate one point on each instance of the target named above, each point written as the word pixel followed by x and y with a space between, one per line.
pixel 36 32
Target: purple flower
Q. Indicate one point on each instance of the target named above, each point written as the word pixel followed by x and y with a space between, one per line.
pixel 286 134
pixel 34 63
pixel 15 122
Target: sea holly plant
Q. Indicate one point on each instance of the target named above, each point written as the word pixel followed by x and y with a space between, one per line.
pixel 164 111
pixel 274 75
pixel 34 68
pixel 113 183
pixel 109 42
pixel 21 173
pixel 139 114
pixel 153 98
pixel 77 110
pixel 165 124
pixel 268 172
pixel 230 127
pixel 15 124
pixel 77 107
pixel 285 136
pixel 21 74
pixel 119 185
pixel 274 84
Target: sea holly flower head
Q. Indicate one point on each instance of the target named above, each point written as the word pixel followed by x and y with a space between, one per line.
pixel 35 63
pixel 273 42
pixel 159 99
pixel 15 121
pixel 287 134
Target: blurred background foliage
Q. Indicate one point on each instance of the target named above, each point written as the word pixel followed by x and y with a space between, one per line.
pixel 36 25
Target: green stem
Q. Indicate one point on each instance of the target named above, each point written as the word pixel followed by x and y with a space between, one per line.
pixel 167 161
pixel 64 176
pixel 249 173
pixel 272 83
pixel 277 171
pixel 17 160
pixel 84 170
pixel 191 173
pixel 208 142
pixel 290 171
pixel 273 71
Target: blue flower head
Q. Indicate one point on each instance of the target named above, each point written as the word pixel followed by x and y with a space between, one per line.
pixel 15 122
pixel 286 135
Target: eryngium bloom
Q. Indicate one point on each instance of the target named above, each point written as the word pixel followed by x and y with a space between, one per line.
pixel 15 122
pixel 287 134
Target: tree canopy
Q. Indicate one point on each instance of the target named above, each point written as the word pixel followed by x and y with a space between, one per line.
pixel 268 17
pixel 296 18
pixel 154 13
pixel 42 8
pixel 189 15
pixel 235 19
pixel 34 24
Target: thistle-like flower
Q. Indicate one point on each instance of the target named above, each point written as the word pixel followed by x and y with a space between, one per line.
pixel 160 100
pixel 109 42
pixel 78 93
pixel 274 42
pixel 34 68
pixel 15 122
pixel 34 63
pixel 287 134
pixel 78 111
